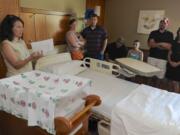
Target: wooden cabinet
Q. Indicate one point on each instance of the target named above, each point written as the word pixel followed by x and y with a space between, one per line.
pixel 93 3
pixel 29 27
pixel 39 26
pixel 34 27
pixel 8 7
pixel 57 27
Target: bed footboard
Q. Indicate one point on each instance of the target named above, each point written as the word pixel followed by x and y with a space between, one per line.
pixel 65 126
pixel 11 125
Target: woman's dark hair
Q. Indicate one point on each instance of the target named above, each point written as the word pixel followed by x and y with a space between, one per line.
pixel 72 21
pixel 6 27
pixel 177 36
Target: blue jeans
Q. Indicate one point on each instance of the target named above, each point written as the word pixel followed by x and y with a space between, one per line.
pixel 100 56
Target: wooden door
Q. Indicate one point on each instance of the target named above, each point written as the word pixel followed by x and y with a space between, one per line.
pixel 2 67
pixel 8 7
pixel 57 27
pixel 29 28
pixel 93 3
pixel 40 27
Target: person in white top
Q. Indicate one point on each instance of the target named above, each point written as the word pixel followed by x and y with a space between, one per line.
pixel 13 48
pixel 75 41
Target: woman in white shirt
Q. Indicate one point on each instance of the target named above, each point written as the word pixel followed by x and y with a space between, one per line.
pixel 75 41
pixel 13 48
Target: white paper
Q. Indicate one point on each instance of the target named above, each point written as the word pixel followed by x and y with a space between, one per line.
pixel 44 45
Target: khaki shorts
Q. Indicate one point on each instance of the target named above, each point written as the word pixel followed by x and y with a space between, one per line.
pixel 159 63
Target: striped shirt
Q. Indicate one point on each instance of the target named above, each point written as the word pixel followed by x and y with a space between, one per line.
pixel 94 40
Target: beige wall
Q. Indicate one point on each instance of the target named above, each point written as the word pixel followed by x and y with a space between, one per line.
pixel 121 17
pixel 75 6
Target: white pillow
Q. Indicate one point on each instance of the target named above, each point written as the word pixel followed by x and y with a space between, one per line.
pixel 71 67
pixel 52 59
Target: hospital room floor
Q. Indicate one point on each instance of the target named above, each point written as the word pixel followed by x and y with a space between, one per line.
pixel 165 85
pixel 93 126
pixel 93 133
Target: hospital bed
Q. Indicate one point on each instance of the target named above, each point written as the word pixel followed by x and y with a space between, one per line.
pixel 104 80
pixel 49 104
pixel 136 109
pixel 138 67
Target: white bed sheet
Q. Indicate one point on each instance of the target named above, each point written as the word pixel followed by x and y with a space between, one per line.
pixel 148 111
pixel 110 89
pixel 69 67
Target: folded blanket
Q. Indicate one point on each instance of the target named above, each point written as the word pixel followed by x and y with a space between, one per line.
pixel 37 95
pixel 148 111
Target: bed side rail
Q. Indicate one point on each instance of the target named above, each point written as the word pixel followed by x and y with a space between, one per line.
pixel 102 66
pixel 65 126
pixel 52 59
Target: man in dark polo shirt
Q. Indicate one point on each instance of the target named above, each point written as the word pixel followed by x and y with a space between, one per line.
pixel 160 42
pixel 96 39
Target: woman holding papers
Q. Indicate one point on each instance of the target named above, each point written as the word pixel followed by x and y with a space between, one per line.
pixel 75 41
pixel 13 48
